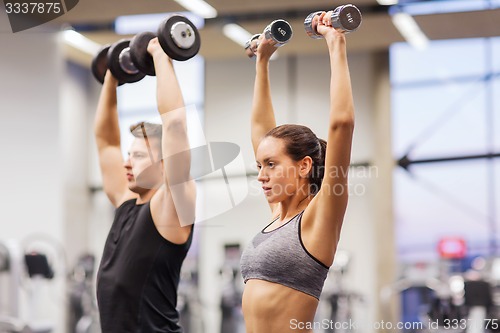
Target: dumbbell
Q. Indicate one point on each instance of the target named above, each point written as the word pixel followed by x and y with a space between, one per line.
pixel 177 36
pixel 344 18
pixel 129 60
pixel 117 59
pixel 279 32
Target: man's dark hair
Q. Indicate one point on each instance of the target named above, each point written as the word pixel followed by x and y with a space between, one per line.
pixel 146 130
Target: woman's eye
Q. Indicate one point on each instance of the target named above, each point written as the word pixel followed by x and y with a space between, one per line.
pixel 271 164
pixel 259 166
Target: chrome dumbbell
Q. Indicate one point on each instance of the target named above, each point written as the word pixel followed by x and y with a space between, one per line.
pixel 279 32
pixel 345 18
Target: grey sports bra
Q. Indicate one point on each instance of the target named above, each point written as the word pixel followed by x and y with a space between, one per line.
pixel 280 256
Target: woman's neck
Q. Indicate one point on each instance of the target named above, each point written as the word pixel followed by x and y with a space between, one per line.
pixel 294 205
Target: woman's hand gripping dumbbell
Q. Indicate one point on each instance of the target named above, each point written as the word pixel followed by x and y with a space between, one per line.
pixel 345 18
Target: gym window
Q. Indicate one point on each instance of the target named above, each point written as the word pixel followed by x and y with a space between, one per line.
pixel 446 122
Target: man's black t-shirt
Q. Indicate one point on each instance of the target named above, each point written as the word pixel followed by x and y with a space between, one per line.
pixel 139 274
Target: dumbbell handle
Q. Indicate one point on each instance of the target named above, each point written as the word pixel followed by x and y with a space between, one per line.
pixel 345 18
pixel 279 32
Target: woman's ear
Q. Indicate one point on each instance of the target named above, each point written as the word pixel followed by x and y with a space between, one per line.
pixel 305 166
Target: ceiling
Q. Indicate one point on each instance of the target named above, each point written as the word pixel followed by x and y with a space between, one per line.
pixel 376 32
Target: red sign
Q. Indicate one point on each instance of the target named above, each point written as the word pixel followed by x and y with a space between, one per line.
pixel 452 248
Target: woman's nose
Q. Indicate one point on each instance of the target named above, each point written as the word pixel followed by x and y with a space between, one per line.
pixel 262 177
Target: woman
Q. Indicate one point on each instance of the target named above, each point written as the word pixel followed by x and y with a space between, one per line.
pixel 305 183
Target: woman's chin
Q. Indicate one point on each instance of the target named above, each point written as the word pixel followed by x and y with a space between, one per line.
pixel 272 199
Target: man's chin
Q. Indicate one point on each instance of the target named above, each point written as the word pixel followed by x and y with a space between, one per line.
pixel 133 188
pixel 142 188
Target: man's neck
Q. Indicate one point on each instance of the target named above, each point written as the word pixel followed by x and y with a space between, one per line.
pixel 145 197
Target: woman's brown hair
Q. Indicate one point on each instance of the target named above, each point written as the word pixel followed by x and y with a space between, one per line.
pixel 300 142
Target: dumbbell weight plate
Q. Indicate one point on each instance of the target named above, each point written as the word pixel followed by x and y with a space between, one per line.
pixel 120 64
pixel 139 53
pixel 100 64
pixel 346 18
pixel 179 38
pixel 280 31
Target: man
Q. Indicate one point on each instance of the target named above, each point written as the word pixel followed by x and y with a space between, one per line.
pixel 152 230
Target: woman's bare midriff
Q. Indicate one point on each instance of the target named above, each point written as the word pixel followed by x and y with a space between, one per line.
pixel 273 308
